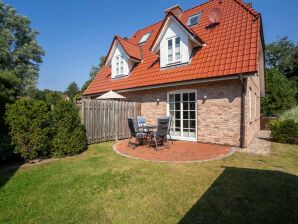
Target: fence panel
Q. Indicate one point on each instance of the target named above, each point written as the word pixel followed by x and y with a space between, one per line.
pixel 107 119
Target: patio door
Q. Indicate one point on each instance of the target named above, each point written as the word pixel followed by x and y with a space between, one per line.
pixel 182 106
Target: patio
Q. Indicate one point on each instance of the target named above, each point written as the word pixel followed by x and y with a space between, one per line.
pixel 179 152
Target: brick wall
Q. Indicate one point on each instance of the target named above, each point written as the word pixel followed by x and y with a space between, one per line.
pixel 218 117
pixel 252 105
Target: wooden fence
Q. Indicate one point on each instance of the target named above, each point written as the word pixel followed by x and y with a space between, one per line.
pixel 107 120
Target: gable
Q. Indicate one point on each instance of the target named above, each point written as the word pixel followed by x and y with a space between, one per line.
pixel 175 25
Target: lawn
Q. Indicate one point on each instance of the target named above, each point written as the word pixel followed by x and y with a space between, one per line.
pixel 100 186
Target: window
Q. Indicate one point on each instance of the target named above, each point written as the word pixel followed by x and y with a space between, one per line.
pixel 194 19
pixel 170 50
pixel 177 48
pixel 119 65
pixel 174 51
pixel 255 105
pixel 144 38
pixel 250 104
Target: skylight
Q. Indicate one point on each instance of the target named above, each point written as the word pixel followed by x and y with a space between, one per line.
pixel 194 19
pixel 144 38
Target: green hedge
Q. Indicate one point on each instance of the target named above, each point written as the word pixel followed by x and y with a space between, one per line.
pixel 39 130
pixel 69 134
pixel 284 131
pixel 30 127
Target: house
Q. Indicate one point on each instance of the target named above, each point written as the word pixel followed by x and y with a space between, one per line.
pixel 203 65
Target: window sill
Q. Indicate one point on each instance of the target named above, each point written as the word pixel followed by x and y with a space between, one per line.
pixel 174 63
pixel 119 76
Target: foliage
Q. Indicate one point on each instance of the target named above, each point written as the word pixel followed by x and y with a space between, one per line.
pixel 7 95
pixel 72 90
pixel 29 122
pixel 49 96
pixel 280 94
pixel 290 114
pixel 93 72
pixel 283 55
pixel 19 50
pixel 284 131
pixel 69 134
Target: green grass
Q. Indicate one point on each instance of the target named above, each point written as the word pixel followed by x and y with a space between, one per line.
pixel 291 114
pixel 100 186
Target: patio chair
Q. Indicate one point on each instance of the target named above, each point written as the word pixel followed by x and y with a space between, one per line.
pixel 159 138
pixel 142 123
pixel 140 137
pixel 170 128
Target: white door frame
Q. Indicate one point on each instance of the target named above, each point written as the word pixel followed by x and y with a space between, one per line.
pixel 180 91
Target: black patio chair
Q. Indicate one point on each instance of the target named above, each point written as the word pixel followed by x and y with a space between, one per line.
pixel 140 137
pixel 170 128
pixel 159 138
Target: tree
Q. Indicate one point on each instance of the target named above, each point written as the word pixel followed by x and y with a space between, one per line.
pixel 8 93
pixel 19 49
pixel 94 70
pixel 72 90
pixel 283 55
pixel 280 94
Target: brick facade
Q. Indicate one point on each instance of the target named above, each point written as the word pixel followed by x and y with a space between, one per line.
pixel 218 117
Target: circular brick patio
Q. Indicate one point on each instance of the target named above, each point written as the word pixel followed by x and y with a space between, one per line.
pixel 179 152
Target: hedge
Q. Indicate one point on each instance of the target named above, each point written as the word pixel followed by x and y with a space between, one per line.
pixel 284 131
pixel 39 130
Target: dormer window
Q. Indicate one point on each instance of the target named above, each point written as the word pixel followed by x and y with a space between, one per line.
pixel 119 65
pixel 194 19
pixel 174 52
pixel 144 38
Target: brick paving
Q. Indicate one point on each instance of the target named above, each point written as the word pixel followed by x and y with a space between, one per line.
pixel 180 152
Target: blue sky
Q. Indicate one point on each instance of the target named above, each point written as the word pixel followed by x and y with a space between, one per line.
pixel 75 33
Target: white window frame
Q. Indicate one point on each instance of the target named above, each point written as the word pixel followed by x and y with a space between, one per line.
pixel 255 105
pixel 119 65
pixel 145 38
pixel 174 50
pixel 181 91
pixel 250 104
pixel 189 18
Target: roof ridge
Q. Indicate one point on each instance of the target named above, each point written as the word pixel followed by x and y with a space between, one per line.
pixel 204 3
pixel 126 40
pixel 247 7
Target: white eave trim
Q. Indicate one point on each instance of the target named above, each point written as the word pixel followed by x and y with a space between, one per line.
pixel 213 79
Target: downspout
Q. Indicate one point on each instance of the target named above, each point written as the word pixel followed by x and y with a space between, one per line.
pixel 242 122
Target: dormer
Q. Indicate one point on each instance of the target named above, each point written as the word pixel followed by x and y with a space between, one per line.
pixel 122 57
pixel 175 42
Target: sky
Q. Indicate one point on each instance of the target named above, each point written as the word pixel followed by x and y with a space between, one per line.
pixel 75 33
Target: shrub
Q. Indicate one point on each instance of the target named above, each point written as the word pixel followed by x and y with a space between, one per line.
pixel 280 94
pixel 284 131
pixel 69 134
pixel 290 114
pixel 29 125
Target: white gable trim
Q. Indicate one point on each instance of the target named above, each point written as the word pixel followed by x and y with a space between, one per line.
pixel 111 54
pixel 156 45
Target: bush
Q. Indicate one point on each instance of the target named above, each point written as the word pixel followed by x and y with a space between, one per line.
pixel 284 131
pixel 280 94
pixel 290 114
pixel 69 134
pixel 29 127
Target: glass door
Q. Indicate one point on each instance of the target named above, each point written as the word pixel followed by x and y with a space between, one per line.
pixel 182 106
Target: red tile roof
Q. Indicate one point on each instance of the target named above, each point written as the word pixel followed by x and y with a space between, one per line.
pixel 231 48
